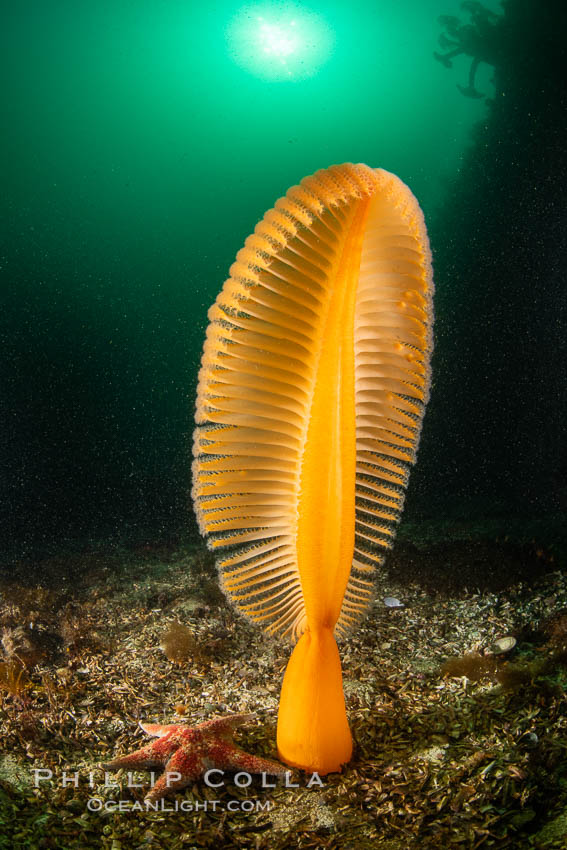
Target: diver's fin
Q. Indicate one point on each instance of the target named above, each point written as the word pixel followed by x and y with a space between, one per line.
pixel 470 91
pixel 443 59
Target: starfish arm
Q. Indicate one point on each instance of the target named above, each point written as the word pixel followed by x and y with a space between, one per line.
pixel 181 770
pixel 235 758
pixel 157 730
pixel 224 725
pixel 154 754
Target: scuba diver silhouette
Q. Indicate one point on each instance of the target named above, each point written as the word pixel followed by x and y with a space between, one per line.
pixel 480 39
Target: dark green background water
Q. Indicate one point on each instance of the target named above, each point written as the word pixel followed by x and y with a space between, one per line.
pixel 137 155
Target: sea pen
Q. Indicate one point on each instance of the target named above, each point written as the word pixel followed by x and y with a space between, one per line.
pixel 313 384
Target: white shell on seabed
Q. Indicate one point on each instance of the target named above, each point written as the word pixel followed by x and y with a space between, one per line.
pixel 392 602
pixel 502 645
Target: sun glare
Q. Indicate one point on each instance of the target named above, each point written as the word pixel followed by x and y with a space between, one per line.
pixel 279 42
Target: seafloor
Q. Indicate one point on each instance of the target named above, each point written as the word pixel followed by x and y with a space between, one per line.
pixel 454 746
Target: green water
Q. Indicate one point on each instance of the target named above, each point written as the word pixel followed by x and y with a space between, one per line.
pixel 138 151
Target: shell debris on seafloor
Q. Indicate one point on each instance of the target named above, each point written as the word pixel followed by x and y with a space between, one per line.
pixel 501 646
pixel 392 602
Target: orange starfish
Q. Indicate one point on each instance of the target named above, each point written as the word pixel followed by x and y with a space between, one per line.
pixel 187 752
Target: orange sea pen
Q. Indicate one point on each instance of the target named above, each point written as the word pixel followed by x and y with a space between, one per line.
pixel 314 379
